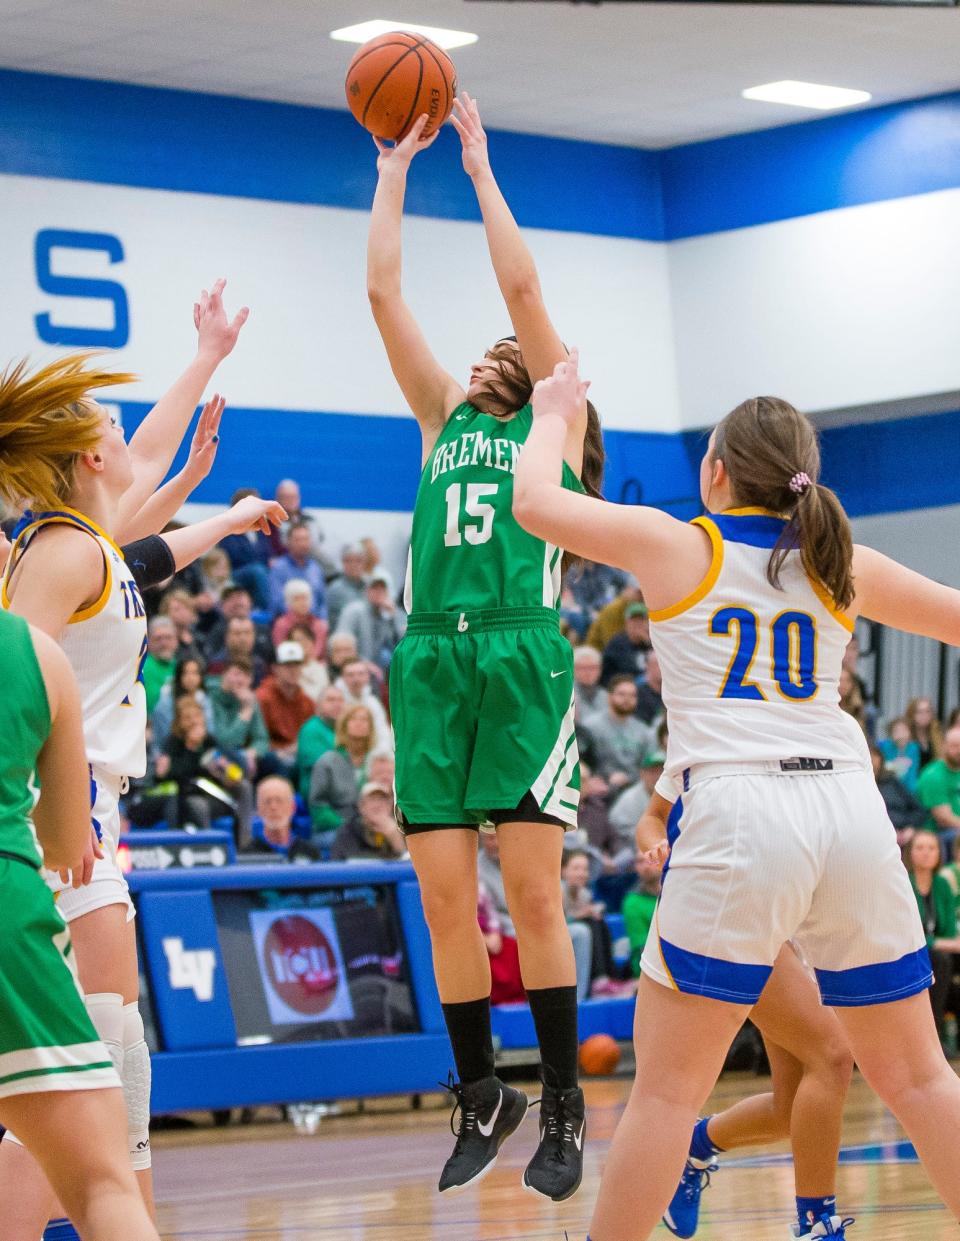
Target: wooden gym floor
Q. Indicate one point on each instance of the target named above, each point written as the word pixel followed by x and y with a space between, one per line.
pixel 373 1176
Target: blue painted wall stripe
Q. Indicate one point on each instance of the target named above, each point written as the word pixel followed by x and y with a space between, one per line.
pixel 372 462
pixel 112 133
pixel 841 161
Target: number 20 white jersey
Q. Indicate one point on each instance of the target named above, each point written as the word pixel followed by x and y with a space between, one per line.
pixel 106 645
pixel 750 672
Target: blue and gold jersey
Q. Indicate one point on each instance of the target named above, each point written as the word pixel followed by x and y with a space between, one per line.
pixel 106 644
pixel 750 671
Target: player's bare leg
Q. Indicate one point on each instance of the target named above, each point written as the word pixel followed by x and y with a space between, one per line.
pixel 105 952
pixel 811 1065
pixel 79 1139
pixel 530 857
pixel 446 865
pixel 898 1050
pixel 681 1042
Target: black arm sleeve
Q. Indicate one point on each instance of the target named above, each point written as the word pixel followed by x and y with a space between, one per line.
pixel 150 561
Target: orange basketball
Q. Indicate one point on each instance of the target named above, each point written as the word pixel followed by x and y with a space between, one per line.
pixel 599 1055
pixel 396 77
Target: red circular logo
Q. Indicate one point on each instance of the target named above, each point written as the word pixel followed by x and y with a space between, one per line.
pixel 301 964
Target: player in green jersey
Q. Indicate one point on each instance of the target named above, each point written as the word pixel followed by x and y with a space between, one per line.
pixel 58 1087
pixel 481 687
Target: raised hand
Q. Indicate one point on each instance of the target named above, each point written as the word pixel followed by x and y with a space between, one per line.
pixel 563 393
pixel 217 334
pixel 466 121
pixel 252 513
pixel 206 439
pixel 400 154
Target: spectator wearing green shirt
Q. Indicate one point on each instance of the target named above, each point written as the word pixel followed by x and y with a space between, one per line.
pixel 161 660
pixel 638 908
pixel 938 912
pixel 318 736
pixel 951 872
pixel 939 790
pixel 237 721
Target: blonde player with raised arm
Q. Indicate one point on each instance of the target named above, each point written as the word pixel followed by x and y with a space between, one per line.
pixel 784 833
pixel 65 457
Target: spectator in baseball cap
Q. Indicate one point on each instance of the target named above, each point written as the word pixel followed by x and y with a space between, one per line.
pixel 283 704
pixel 371 831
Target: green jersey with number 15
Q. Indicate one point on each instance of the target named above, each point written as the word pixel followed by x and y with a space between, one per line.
pixel 467 551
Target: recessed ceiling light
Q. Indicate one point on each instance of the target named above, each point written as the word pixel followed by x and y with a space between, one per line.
pixel 807 95
pixel 369 30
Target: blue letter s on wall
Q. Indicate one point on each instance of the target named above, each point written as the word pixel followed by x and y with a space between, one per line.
pixel 51 333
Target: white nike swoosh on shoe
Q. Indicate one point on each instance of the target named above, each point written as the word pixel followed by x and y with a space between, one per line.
pixel 578 1137
pixel 487 1129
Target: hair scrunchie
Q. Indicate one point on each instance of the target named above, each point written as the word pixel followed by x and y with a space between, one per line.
pixel 800 482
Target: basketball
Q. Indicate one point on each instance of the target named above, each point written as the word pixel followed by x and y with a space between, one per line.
pixel 599 1055
pixel 395 78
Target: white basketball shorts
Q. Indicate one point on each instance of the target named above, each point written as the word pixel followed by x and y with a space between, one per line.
pixel 765 855
pixel 108 885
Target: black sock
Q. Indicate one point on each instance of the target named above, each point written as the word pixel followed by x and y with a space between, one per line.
pixel 468 1025
pixel 554 1012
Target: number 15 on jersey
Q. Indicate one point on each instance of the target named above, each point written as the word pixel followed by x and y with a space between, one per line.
pixel 457 528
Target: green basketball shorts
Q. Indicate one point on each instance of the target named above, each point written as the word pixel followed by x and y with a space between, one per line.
pixel 47 1040
pixel 482 705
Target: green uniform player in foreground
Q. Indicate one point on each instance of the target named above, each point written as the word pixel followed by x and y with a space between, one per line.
pixel 481 687
pixel 58 1086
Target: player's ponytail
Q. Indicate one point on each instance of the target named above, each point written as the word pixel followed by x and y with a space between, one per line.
pixel 772 458
pixel 45 424
pixel 826 542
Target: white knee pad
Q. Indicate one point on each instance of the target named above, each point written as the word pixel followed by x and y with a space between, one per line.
pixel 105 1009
pixel 106 1012
pixel 136 1087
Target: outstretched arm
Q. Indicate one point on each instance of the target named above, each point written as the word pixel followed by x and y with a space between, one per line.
pixel 430 392
pixel 250 513
pixel 164 504
pixel 668 557
pixel 894 595
pixel 158 437
pixel 515 270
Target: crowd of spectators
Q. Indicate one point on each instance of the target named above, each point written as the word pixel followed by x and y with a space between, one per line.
pixel 916 764
pixel 266 684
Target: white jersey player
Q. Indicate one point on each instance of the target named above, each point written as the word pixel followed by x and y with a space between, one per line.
pixel 763 650
pixel 106 643
pixel 64 456
pixel 784 833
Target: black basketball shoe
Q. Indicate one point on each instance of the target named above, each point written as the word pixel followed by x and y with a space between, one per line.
pixel 489 1113
pixel 556 1170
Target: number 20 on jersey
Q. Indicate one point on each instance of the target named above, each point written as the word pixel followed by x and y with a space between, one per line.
pixel 793 653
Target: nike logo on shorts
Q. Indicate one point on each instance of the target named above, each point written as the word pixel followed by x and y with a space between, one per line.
pixel 557 674
pixel 487 1129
